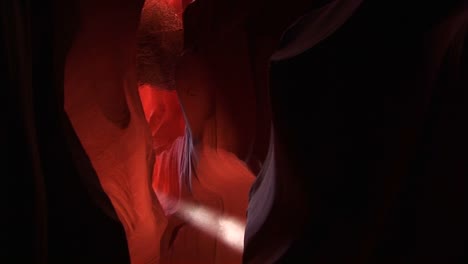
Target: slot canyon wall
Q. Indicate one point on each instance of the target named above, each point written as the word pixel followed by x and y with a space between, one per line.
pixel 158 131
pixel 203 164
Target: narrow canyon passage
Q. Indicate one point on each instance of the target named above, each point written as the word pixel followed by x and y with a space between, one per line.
pixel 168 144
pixel 249 131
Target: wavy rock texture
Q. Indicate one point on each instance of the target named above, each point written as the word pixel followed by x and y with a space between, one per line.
pixel 321 137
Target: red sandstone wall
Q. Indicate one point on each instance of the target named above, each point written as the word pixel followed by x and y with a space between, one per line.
pixel 124 136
